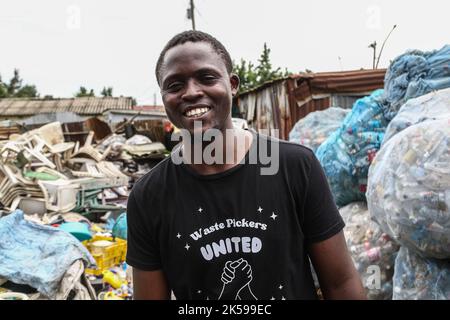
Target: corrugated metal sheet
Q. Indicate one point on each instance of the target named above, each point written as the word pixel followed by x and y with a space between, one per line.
pixel 344 82
pixel 279 104
pixel 82 106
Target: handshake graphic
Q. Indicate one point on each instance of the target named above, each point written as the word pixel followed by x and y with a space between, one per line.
pixel 236 278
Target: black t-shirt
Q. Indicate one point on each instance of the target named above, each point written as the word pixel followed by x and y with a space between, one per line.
pixel 236 234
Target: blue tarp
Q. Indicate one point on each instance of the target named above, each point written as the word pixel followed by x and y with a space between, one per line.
pixel 414 74
pixel 37 255
pixel 346 155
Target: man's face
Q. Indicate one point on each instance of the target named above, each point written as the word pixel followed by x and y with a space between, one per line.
pixel 195 86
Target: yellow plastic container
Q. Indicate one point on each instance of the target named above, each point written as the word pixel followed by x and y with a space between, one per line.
pixel 106 257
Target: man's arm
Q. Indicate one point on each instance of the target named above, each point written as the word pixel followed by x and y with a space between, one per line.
pixel 150 285
pixel 335 269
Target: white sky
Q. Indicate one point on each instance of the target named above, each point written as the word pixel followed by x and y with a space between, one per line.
pixel 60 45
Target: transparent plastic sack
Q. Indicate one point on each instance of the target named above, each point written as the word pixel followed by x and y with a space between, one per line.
pixel 346 155
pixel 316 127
pixel 373 252
pixel 432 106
pixel 416 278
pixel 414 74
pixel 409 188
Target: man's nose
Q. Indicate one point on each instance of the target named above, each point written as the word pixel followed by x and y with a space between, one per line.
pixel 193 91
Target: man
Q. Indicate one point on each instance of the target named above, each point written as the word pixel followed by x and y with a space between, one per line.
pixel 224 230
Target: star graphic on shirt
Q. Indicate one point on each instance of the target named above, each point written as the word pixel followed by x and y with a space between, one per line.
pixel 187 246
pixel 274 216
pixel 200 210
pixel 280 287
pixel 178 235
pixel 260 209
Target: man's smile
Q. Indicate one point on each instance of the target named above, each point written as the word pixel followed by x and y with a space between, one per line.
pixel 195 112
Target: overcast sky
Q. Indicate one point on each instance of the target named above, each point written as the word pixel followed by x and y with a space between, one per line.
pixel 60 45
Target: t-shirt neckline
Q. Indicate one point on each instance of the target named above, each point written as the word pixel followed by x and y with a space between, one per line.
pixel 227 172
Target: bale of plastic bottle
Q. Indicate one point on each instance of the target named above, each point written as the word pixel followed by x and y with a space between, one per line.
pixel 347 153
pixel 372 250
pixel 409 188
pixel 414 74
pixel 316 127
pixel 432 106
pixel 417 278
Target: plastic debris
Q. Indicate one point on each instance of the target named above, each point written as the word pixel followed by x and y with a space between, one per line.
pixel 371 249
pixel 346 155
pixel 37 255
pixel 416 278
pixel 409 188
pixel 432 106
pixel 316 127
pixel 414 74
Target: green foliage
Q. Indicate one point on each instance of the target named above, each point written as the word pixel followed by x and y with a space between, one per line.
pixel 252 76
pixel 83 92
pixel 15 89
pixel 107 92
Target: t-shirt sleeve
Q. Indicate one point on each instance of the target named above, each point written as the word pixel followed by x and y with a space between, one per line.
pixel 142 248
pixel 322 219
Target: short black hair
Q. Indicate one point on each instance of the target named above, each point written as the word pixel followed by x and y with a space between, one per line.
pixel 194 36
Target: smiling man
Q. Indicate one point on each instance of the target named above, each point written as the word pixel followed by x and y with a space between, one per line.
pixel 224 230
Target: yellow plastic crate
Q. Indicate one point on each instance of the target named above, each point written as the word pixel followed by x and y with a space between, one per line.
pixel 109 256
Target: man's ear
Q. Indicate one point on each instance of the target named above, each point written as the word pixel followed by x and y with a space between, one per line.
pixel 234 81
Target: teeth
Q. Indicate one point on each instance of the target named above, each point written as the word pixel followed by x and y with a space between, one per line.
pixel 196 112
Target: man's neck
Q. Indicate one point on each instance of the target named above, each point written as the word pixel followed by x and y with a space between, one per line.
pixel 210 157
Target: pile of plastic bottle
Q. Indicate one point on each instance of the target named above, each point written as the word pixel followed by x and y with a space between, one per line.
pixel 432 106
pixel 369 246
pixel 414 74
pixel 416 278
pixel 409 188
pixel 346 155
pixel 316 127
pixel 117 284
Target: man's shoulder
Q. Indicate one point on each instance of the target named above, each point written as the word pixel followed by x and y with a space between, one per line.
pixel 154 178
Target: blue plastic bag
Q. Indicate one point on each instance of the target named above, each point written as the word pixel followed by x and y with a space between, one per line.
pixel 346 155
pixel 414 74
pixel 119 229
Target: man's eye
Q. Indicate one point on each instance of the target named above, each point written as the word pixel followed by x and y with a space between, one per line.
pixel 175 86
pixel 208 78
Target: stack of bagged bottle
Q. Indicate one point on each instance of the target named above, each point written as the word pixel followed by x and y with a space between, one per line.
pixel 393 150
pixel 409 195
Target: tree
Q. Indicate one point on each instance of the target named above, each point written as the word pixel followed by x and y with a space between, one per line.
pixel 15 89
pixel 83 92
pixel 252 77
pixel 107 92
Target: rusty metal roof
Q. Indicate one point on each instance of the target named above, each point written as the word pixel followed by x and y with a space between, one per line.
pixel 358 81
pixel 81 106
pixel 353 81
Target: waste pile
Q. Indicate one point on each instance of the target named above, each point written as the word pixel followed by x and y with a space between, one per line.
pixel 373 252
pixel 409 188
pixel 398 161
pixel 432 106
pixel 315 128
pixel 418 278
pixel 62 213
pixel 414 74
pixel 347 153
